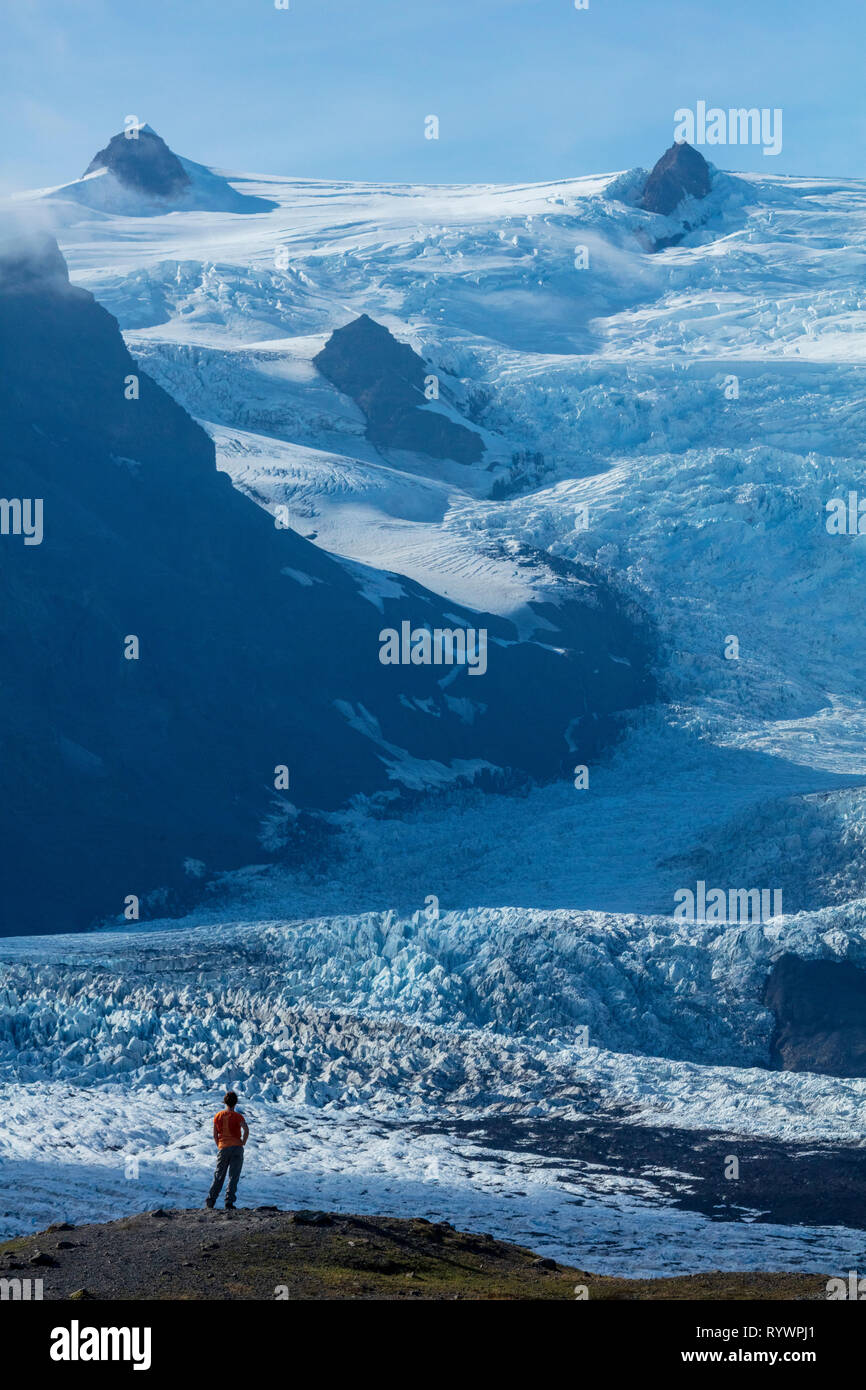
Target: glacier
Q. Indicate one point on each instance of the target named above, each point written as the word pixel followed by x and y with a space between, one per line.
pixel 354 1041
pixel 696 409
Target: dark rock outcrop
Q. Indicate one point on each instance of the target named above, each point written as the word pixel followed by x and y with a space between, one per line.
pixel 820 1011
pixel 385 378
pixel 144 163
pixel 257 649
pixel 681 172
pixel 143 177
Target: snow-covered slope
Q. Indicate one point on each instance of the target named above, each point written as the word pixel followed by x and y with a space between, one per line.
pixel 700 495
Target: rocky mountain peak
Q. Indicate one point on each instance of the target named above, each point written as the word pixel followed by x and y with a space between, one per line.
pixel 142 161
pixel 681 172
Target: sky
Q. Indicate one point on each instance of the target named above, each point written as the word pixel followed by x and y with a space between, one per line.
pixel 524 90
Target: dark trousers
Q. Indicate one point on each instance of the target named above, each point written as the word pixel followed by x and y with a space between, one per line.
pixel 229 1161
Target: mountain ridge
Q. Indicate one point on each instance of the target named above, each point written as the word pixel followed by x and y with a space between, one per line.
pixel 271 658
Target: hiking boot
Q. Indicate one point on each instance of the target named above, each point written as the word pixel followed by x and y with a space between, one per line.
pixel 209 1204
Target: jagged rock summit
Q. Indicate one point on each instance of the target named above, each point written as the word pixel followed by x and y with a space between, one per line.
pixel 680 173
pixel 142 160
pixel 139 175
pixel 386 379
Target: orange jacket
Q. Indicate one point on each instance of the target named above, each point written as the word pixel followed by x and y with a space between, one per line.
pixel 227 1128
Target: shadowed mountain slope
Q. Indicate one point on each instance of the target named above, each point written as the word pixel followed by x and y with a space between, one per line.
pixel 255 648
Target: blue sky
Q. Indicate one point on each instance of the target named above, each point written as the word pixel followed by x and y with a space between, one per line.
pixel 524 89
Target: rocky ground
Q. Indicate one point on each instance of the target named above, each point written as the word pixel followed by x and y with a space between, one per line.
pixel 271 1254
pixel 810 1184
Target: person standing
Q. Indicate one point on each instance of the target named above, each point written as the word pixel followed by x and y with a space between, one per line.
pixel 230 1132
